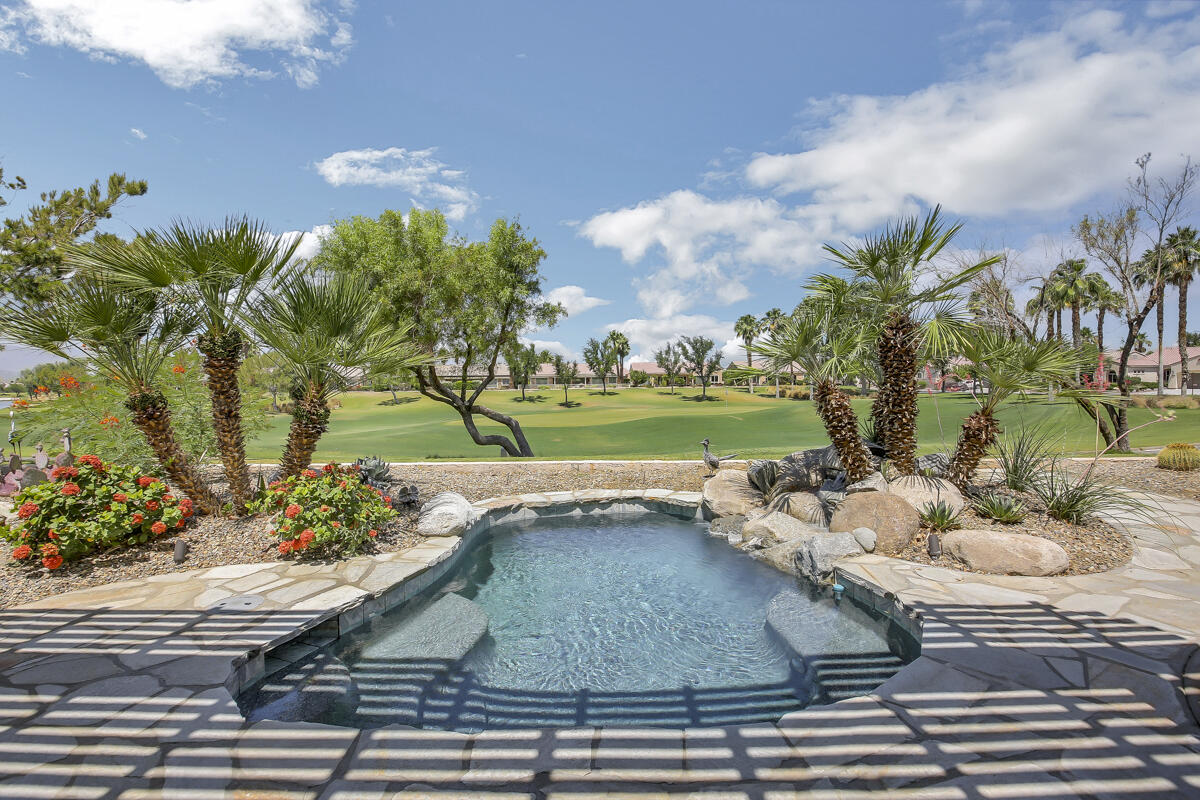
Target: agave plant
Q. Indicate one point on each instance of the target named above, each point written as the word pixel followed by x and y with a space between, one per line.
pixel 940 516
pixel 128 337
pixel 216 271
pixel 999 507
pixel 913 321
pixel 1008 366
pixel 323 330
pixel 374 472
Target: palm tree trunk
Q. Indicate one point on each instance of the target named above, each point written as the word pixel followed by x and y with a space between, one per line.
pixel 897 347
pixel 1182 333
pixel 310 419
pixel 152 417
pixel 222 358
pixel 1075 320
pixel 978 433
pixel 1103 367
pixel 1161 318
pixel 841 424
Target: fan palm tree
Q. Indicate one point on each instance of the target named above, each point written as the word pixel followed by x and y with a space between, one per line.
pixel 1183 262
pixel 324 330
pixel 1152 272
pixel 1074 286
pixel 1040 304
pixel 1008 366
pixel 1104 299
pixel 768 323
pixel 915 318
pixel 746 328
pixel 217 271
pixel 619 344
pixel 828 346
pixel 129 337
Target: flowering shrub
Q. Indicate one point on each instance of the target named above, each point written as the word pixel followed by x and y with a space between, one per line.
pixel 330 514
pixel 91 506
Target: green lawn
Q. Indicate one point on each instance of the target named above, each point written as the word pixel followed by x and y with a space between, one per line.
pixel 651 423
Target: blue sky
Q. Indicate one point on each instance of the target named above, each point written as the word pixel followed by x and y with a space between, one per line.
pixel 681 162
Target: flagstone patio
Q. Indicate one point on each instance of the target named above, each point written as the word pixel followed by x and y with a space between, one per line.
pixel 1027 687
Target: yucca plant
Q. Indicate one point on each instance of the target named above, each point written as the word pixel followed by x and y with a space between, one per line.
pixel 1180 456
pixel 999 507
pixel 1078 499
pixel 323 330
pixel 916 316
pixel 128 337
pixel 1023 455
pixel 217 272
pixel 940 516
pixel 1008 366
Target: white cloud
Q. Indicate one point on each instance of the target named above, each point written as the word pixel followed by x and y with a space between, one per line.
pixel 415 171
pixel 553 347
pixel 189 43
pixel 574 299
pixel 649 335
pixel 310 241
pixel 1043 123
pixel 138 132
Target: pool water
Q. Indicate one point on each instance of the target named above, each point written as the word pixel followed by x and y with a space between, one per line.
pixel 623 620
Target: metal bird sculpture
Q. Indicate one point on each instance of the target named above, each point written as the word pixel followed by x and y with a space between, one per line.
pixel 66 458
pixel 714 462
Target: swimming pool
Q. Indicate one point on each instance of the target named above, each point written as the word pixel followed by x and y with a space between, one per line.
pixel 620 620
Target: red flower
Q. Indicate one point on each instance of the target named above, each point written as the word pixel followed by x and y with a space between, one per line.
pixel 49 550
pixel 185 502
pixel 145 481
pixel 372 533
pixel 387 501
pixel 306 536
pixel 308 473
pixel 52 535
pixel 343 485
pixel 328 468
pixel 121 497
pixel 293 511
pixel 285 547
pixel 336 524
pixel 27 510
pixel 187 513
pixel 70 489
pixel 298 545
pixel 152 505
pixel 158 528
pixel 324 509
pixel 168 498
pixel 60 473
pixel 52 562
pixel 22 552
pixel 136 519
pixel 91 461
pixel 181 523
pixel 178 369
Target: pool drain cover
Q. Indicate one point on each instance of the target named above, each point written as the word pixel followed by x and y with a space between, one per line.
pixel 240 602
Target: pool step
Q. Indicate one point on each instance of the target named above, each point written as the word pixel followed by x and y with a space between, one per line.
pixel 851 675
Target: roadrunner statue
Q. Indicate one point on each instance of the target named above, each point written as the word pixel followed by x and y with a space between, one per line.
pixel 714 462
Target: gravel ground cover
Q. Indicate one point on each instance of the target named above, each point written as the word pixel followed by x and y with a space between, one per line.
pixel 216 542
pixel 1142 474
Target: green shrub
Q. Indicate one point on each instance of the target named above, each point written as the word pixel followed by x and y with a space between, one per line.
pixel 1180 456
pixel 327 514
pixel 92 506
pixel 799 393
pixel 638 377
pixel 999 507
pixel 940 517
pixel 853 391
pixel 1024 455
pixel 1076 499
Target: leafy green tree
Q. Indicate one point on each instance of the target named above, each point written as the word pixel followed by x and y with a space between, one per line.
pixel 565 374
pixel 670 361
pixel 218 272
pixel 34 245
pixel 523 364
pixel 638 377
pixel 620 346
pixel 323 330
pixel 700 358
pixel 601 357
pixel 130 337
pixel 467 301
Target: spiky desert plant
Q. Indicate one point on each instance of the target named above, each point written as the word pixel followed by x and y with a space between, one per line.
pixel 1007 366
pixel 918 316
pixel 940 516
pixel 216 271
pixel 324 330
pixel 823 342
pixel 999 507
pixel 128 337
pixel 1023 455
pixel 1180 456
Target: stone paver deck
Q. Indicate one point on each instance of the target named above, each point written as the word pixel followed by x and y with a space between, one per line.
pixel 1027 688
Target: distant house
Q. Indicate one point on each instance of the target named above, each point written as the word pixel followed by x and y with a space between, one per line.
pixel 1145 366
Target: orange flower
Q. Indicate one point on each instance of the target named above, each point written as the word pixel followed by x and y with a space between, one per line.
pixel 49 550
pixel 137 519
pixel 324 509
pixel 293 511
pixel 68 489
pixel 120 497
pixel 328 468
pixel 285 547
pixel 145 481
pixel 336 524
pixel 59 473
pixel 22 552
pixel 91 461
pixel 158 528
pixel 27 510
pixel 306 537
pixel 52 562
pixel 308 473
pixel 152 505
pixel 372 533
pixel 179 369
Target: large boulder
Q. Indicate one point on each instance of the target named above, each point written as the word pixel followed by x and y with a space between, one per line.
pixel 872 483
pixel 778 527
pixel 816 556
pixel 805 506
pixel 446 514
pixel 921 491
pixel 1005 553
pixel 782 556
pixel 934 465
pixel 728 493
pixel 893 519
pixel 808 469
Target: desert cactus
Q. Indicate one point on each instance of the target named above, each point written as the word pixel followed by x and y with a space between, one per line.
pixel 374 472
pixel 762 474
pixel 1181 457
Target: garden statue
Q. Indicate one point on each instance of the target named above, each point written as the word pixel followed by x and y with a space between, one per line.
pixel 40 459
pixel 12 477
pixel 65 458
pixel 714 462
